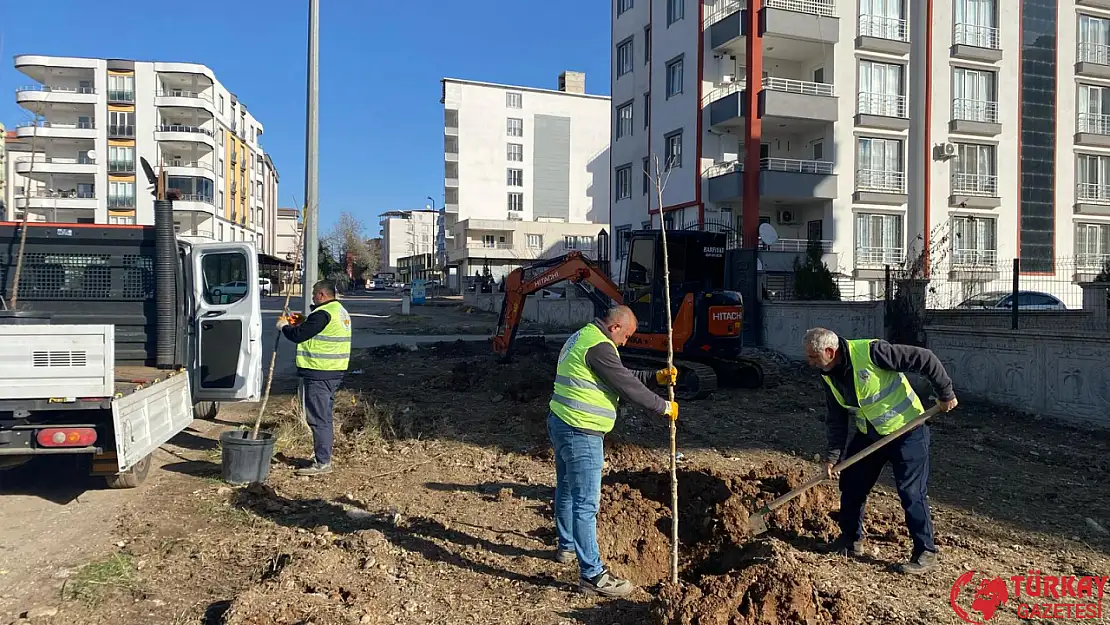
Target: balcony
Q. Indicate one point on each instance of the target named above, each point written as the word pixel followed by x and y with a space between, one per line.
pixel 57 130
pixel 880 186
pixel 798 245
pixel 53 94
pixel 194 203
pixel 1091 263
pixel 181 167
pixel 878 33
pixel 181 133
pixel 974 264
pixel 781 179
pixel 976 43
pixel 199 235
pixel 1098 4
pixel 780 100
pixel 879 257
pixel 1093 59
pixel 183 98
pixel 796 28
pixel 882 110
pixel 1092 129
pixel 975 117
pixel 54 165
pixel 46 199
pixel 974 191
pixel 1092 198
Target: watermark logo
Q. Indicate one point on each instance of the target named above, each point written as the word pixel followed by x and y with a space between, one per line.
pixel 1033 596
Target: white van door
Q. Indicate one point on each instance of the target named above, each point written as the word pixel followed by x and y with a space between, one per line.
pixel 227 323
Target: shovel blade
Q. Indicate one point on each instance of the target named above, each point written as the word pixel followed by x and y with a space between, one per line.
pixel 757 523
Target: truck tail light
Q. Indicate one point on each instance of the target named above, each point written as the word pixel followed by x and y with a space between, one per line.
pixel 66 437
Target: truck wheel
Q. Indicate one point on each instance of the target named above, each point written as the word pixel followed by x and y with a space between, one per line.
pixel 206 410
pixel 132 477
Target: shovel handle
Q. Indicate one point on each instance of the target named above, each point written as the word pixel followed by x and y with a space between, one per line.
pixel 870 449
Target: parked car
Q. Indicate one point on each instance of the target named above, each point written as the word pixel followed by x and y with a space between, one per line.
pixel 1004 300
pixel 371 285
pixel 264 287
pixel 235 290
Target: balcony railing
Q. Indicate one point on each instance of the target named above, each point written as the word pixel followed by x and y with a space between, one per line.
pixel 120 166
pixel 975 184
pixel 195 197
pixel 184 128
pixel 57 160
pixel 1094 124
pixel 177 162
pixel 975 258
pixel 879 256
pixel 197 234
pixel 722 168
pixel 790 85
pixel 46 124
pixel 70 194
pixel 883 27
pixel 118 201
pixel 55 89
pixel 723 90
pixel 969 110
pixel 1091 262
pixel 1097 53
pixel 813 7
pixel 121 130
pixel 721 11
pixel 796 165
pixel 183 93
pixel 799 245
pixel 975 35
pixel 883 104
pixel 1092 192
pixel 880 181
pixel 120 95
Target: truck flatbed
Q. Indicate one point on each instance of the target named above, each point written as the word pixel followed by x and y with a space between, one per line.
pixel 131 378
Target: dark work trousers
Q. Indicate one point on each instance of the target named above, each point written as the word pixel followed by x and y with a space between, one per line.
pixel 319 399
pixel 909 456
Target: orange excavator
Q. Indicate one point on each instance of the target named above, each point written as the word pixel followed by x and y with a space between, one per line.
pixel 708 319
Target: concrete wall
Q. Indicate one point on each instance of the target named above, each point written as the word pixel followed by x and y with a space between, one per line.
pixel 563 312
pixel 1027 320
pixel 785 323
pixel 1057 374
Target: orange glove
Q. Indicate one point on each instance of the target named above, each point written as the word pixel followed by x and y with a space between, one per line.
pixel 296 318
pixel 672 410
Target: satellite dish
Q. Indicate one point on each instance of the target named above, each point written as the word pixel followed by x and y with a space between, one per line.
pixel 767 234
pixel 92 155
pixel 148 170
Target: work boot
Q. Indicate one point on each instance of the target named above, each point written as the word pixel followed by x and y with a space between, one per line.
pixel 843 546
pixel 315 469
pixel 564 556
pixel 923 562
pixel 606 585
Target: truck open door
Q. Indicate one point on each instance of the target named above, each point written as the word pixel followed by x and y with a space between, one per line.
pixel 227 323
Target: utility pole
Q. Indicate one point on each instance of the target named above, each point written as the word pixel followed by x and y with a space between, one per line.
pixel 311 158
pixel 919 158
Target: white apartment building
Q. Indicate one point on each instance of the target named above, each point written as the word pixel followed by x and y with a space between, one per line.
pixel 406 233
pixel 518 155
pixel 91 120
pixel 266 215
pixel 1017 131
pixel 287 229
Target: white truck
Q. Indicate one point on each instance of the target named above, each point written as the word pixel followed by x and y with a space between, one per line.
pixel 119 338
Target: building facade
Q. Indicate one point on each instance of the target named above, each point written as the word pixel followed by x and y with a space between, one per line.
pixel 93 119
pixel 521 155
pixel 406 233
pixel 267 212
pixel 287 229
pixel 1017 139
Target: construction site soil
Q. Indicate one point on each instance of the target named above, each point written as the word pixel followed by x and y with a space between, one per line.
pixel 440 512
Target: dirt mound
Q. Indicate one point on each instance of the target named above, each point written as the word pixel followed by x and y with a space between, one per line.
pixel 526 379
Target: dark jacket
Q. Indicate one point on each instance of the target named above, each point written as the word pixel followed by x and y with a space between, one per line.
pixel 629 384
pixel 901 358
pixel 310 327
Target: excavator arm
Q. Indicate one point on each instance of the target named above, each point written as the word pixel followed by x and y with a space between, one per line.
pixel 572 267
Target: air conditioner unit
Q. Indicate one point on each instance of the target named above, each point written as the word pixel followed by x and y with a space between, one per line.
pixel 949 150
pixel 787 217
pixel 727 79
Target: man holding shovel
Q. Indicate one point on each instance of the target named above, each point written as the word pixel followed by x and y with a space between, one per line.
pixel 865 386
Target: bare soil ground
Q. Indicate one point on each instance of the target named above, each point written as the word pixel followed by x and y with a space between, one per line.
pixel 439 512
pixel 381 314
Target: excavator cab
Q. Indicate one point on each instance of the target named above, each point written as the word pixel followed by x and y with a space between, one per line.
pixel 696 263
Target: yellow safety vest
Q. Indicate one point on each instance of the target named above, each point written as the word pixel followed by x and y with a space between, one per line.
pixel 886 398
pixel 330 350
pixel 581 399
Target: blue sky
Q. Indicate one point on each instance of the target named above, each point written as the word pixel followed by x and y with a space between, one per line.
pixel 381 139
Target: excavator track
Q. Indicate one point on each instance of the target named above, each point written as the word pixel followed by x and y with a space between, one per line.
pixel 695 380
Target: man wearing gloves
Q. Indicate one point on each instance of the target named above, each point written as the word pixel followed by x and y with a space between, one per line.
pixel 588 382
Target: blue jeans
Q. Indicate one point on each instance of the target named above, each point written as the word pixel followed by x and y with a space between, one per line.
pixel 909 456
pixel 578 461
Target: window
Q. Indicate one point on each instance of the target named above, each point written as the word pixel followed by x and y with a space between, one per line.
pixel 879 165
pixel 450 144
pixel 881 89
pixel 819 75
pixel 514 100
pixel 220 105
pixel 647 45
pixel 646 172
pixel 673 142
pixel 221 138
pixel 975 24
pixel 514 127
pixel 451 170
pixel 579 242
pixel 624 182
pixel 878 239
pixel 121 194
pixel 1092 174
pixel 647 110
pixel 624 120
pixel 676 10
pixel 622 6
pixel 674 77
pixel 514 152
pixel 622 234
pixel 121 158
pixel 121 88
pixel 225 277
pixel 121 220
pixel 624 57
pixel 973 241
pixel 535 241
pixel 818 150
pixel 451 195
pixel 516 201
pixel 515 177
pixel 1092 245
pixel 973 173
pixel 221 196
pixel 882 19
pixel 1094 39
pixel 121 123
pixel 973 96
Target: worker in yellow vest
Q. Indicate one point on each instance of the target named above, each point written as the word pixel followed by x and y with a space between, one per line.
pixel 323 342
pixel 866 387
pixel 588 382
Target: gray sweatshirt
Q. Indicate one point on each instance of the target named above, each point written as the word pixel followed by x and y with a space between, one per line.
pixel 901 358
pixel 629 384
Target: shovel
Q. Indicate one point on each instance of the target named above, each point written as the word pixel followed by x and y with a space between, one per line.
pixel 757 523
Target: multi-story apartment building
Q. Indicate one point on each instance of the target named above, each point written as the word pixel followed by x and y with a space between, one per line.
pixel 287 229
pixel 267 212
pixel 3 170
pixel 93 119
pixel 518 155
pixel 1016 117
pixel 406 233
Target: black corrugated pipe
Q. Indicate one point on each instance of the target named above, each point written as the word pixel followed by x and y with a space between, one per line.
pixel 165 258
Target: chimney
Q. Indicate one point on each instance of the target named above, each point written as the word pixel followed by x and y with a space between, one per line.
pixel 572 82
